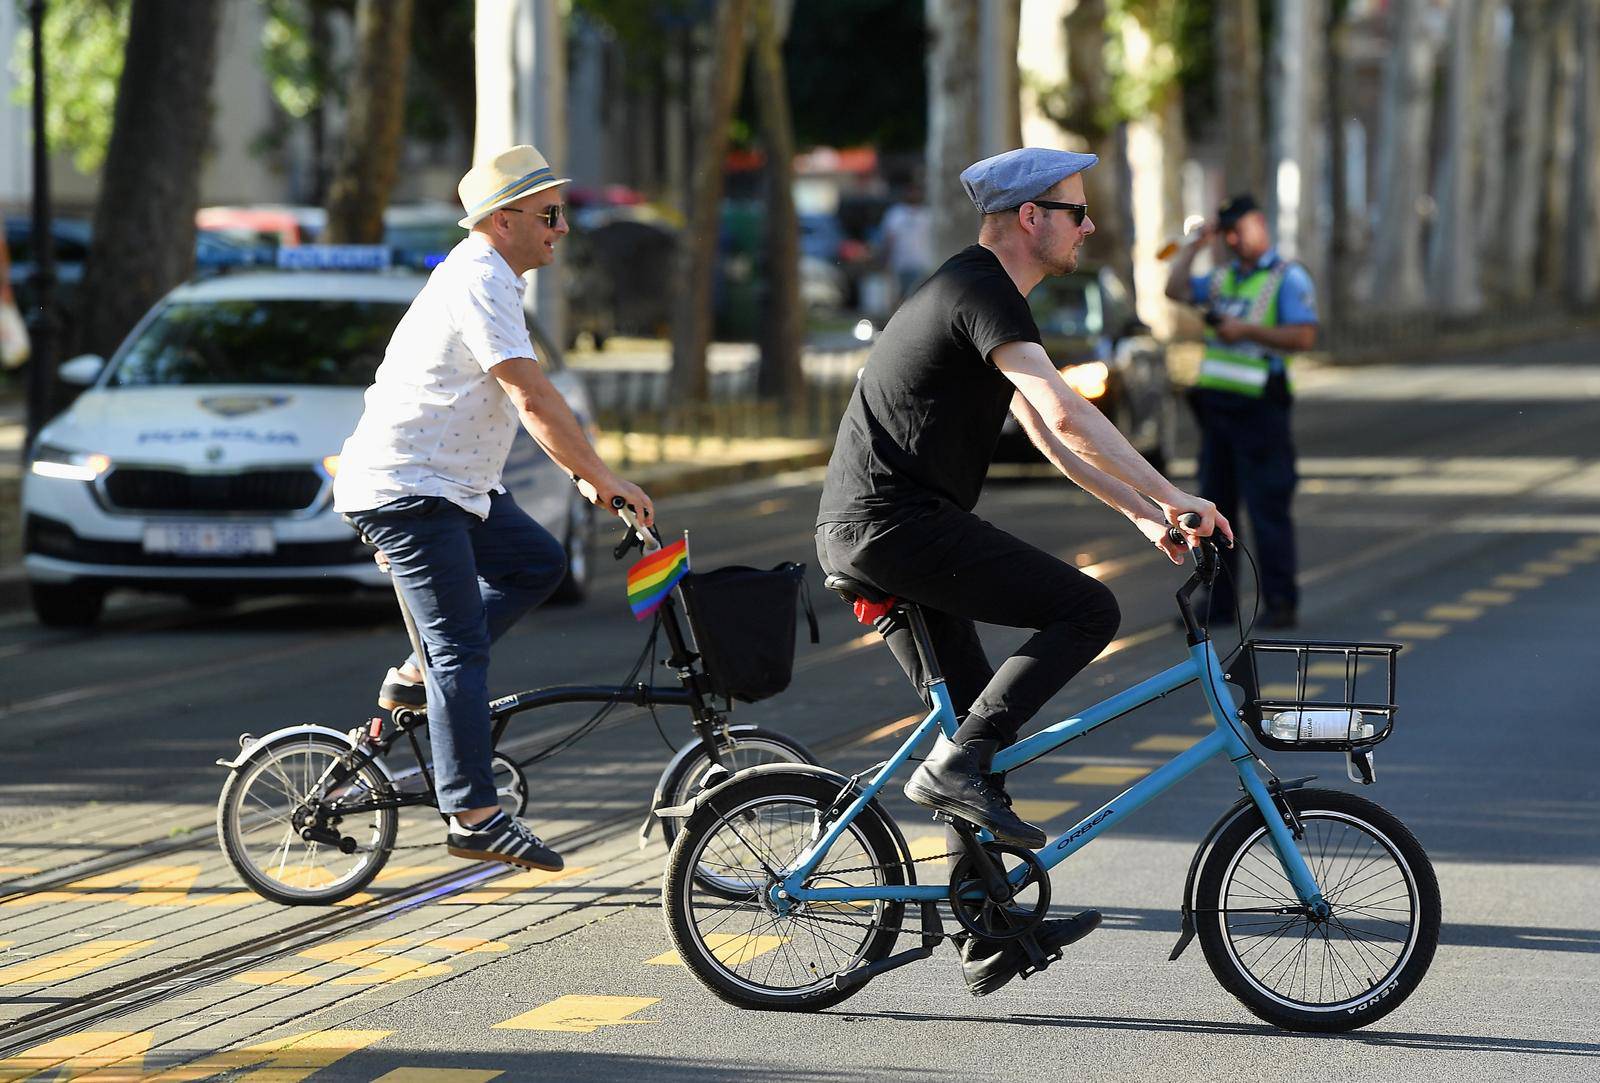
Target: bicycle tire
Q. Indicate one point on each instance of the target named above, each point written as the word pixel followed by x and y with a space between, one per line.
pixel 313 889
pixel 747 746
pixel 794 943
pixel 1385 900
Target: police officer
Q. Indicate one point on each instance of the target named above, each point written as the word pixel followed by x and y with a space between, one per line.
pixel 1259 309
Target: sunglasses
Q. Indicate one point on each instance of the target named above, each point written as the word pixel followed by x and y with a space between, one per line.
pixel 1079 211
pixel 550 216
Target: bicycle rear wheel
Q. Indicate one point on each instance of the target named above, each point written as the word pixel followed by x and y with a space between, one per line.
pixel 265 805
pixel 1334 974
pixel 741 947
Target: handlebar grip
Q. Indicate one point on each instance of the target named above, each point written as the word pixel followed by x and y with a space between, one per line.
pixel 1190 520
pixel 618 503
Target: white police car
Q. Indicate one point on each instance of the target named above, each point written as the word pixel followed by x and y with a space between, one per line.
pixel 200 460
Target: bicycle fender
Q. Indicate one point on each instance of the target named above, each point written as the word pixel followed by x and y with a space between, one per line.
pixel 1242 806
pixel 685 811
pixel 301 730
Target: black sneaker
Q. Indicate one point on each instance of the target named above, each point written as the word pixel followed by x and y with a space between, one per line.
pixel 989 964
pixel 502 838
pixel 398 692
pixel 955 780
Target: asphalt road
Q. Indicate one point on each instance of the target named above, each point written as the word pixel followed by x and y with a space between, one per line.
pixel 1453 506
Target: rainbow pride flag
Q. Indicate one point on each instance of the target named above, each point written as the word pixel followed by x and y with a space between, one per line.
pixel 652 579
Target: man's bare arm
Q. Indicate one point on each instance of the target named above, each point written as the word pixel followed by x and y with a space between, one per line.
pixel 1088 435
pixel 550 421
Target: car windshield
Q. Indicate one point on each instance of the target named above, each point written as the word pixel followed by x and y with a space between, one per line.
pixel 324 343
pixel 1065 306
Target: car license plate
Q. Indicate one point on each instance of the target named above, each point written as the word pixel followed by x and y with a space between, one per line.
pixel 209 539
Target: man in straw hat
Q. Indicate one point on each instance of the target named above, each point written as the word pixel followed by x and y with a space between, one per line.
pixel 913 450
pixel 420 477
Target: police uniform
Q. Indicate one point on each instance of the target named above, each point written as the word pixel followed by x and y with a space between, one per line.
pixel 1241 399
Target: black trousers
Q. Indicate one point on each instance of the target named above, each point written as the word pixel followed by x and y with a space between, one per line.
pixel 960 569
pixel 1246 451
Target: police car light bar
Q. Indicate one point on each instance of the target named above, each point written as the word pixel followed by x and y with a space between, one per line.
pixel 334 257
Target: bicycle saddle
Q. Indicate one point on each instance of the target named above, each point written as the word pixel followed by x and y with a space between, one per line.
pixel 852 589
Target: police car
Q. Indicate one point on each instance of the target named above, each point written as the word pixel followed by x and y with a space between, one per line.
pixel 200 460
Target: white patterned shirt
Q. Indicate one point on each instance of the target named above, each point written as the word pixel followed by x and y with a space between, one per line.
pixel 436 423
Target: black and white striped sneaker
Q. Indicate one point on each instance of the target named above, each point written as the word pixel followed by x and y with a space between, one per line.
pixel 502 838
pixel 398 692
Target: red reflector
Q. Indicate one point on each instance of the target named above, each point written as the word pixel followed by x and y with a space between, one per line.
pixel 868 612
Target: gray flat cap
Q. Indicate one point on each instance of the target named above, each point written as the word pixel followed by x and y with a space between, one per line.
pixel 1011 179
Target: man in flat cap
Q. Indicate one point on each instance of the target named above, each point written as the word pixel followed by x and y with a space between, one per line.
pixel 1260 308
pixel 420 477
pixel 913 450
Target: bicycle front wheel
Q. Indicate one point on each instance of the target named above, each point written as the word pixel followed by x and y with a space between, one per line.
pixel 266 803
pixel 743 948
pixel 744 746
pixel 1340 972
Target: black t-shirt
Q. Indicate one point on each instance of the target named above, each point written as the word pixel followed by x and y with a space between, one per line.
pixel 926 413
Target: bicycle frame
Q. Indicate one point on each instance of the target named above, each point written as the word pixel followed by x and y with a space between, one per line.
pixel 1202 665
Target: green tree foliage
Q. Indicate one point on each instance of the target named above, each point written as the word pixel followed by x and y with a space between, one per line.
pixel 856 73
pixel 298 67
pixel 83 41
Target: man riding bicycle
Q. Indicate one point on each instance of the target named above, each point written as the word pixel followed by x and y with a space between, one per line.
pixel 420 477
pixel 910 460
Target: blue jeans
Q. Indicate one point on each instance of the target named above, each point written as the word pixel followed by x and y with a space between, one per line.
pixel 465 580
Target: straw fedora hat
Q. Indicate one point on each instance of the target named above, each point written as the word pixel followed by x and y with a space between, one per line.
pixel 505 178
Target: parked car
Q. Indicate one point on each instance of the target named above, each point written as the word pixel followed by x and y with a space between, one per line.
pixel 1091 333
pixel 200 460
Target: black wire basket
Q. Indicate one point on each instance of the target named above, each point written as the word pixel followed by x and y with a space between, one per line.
pixel 1302 696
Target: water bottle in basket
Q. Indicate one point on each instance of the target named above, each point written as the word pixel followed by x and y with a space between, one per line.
pixel 1319 724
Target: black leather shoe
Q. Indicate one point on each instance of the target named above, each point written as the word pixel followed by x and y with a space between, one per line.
pixel 954 780
pixel 989 964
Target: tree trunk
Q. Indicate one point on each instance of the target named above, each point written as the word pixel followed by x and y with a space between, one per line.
pixel 691 326
pixel 1298 141
pixel 1109 205
pixel 953 121
pixel 1583 253
pixel 1238 45
pixel 150 188
pixel 1528 141
pixel 783 326
pixel 1335 287
pixel 1452 262
pixel 1556 228
pixel 375 124
pixel 1488 250
pixel 1407 110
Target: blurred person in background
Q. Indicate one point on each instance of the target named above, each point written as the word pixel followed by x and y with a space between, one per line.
pixel 908 241
pixel 1259 309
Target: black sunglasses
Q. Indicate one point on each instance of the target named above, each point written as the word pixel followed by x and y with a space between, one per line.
pixel 549 216
pixel 1079 211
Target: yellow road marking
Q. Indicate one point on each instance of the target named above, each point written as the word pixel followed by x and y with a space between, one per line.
pixel 72 963
pixel 1546 567
pixel 153 885
pixel 1166 742
pixel 1040 812
pixel 1575 555
pixel 77 1053
pixel 1098 774
pixel 397 876
pixel 1592 542
pixel 1487 597
pixel 889 729
pixel 1519 582
pixel 581 1014
pixel 926 846
pixel 437 1075
pixel 17 870
pixel 1454 612
pixel 374 967
pixel 282 1060
pixel 510 885
pixel 732 949
pixel 1417 630
pixel 1291 689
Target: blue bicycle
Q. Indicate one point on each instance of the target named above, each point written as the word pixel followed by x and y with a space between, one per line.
pixel 1316 908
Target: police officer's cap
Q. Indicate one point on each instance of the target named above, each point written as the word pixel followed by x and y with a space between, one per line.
pixel 1011 179
pixel 1229 213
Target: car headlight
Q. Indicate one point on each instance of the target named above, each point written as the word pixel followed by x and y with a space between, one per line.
pixel 1088 380
pixel 50 461
pixel 330 466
